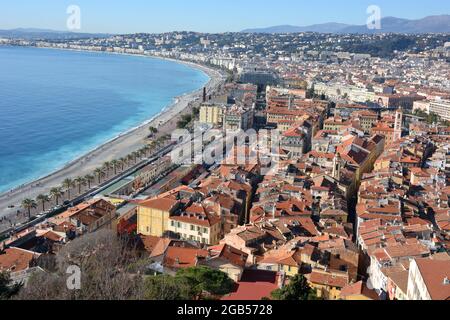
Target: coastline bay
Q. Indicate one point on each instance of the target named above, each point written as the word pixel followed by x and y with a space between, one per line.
pixel 58 105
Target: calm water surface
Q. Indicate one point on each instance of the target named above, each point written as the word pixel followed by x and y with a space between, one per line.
pixel 58 105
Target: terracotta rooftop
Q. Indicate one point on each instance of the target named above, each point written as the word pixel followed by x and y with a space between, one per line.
pixel 359 288
pixel 163 204
pixel 328 279
pixel 255 285
pixel 434 273
pixel 16 259
pixel 181 257
pixel 229 253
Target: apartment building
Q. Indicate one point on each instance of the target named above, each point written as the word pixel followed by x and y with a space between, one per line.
pixel 429 280
pixel 153 216
pixel 441 108
pixel 212 113
pixel 202 227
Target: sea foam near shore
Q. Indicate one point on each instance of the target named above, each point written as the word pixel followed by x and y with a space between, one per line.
pixel 193 80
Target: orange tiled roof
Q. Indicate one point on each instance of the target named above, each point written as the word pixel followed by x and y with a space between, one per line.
pixel 16 259
pixel 180 257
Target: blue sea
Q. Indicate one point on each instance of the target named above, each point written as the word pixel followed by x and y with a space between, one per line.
pixel 57 105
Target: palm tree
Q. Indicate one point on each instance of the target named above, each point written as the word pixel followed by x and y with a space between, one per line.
pixel 122 161
pixel 130 157
pixel 80 181
pixel 107 167
pixel 43 199
pixel 99 173
pixel 154 146
pixel 56 193
pixel 68 184
pixel 135 156
pixel 145 150
pixel 29 204
pixel 89 179
pixel 114 165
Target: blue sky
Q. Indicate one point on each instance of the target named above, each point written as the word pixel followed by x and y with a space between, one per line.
pixel 118 16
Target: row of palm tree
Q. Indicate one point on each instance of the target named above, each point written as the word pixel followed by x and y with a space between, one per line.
pixel 57 193
pixel 117 165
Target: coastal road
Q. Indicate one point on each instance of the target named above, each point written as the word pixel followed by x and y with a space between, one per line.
pixel 115 149
pixel 97 190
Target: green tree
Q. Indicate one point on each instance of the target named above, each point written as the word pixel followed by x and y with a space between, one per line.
pixel 56 193
pixel 164 287
pixel 115 164
pixel 202 279
pixel 80 182
pixel 195 112
pixel 123 162
pixel 297 289
pixel 135 156
pixel 43 199
pixel 29 204
pixel 89 179
pixel 129 158
pixel 68 184
pixel 184 121
pixel 7 288
pixel 153 130
pixel 99 173
pixel 146 149
pixel 107 166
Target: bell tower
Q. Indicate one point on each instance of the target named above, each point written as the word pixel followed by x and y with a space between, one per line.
pixel 337 163
pixel 398 125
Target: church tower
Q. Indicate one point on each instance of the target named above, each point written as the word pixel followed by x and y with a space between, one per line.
pixel 398 125
pixel 337 166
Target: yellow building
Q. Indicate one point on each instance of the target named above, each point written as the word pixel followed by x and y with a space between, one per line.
pixel 287 261
pixel 382 163
pixel 226 259
pixel 367 119
pixel 328 285
pixel 153 216
pixel 335 124
pixel 203 228
pixel 211 113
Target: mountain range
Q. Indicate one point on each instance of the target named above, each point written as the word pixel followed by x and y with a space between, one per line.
pixel 32 33
pixel 431 24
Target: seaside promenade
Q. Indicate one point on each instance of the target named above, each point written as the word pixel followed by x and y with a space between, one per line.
pixel 166 122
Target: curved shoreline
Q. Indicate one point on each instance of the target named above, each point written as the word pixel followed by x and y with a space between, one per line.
pixel 119 146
